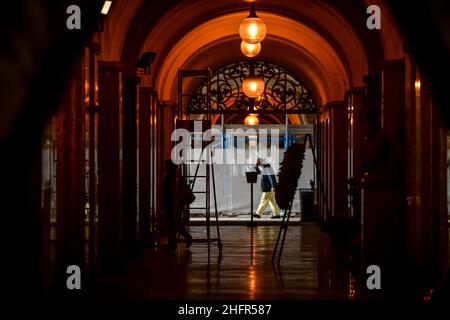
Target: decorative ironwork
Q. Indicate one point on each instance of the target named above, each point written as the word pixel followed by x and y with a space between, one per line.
pixel 284 92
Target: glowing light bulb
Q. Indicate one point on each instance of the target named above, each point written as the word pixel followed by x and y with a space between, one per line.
pixel 252 29
pixel 251 120
pixel 253 86
pixel 250 50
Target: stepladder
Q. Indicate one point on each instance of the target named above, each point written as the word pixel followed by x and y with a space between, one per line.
pixel 197 170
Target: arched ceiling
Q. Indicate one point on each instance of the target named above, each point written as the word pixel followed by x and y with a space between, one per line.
pixel 116 27
pixel 329 73
pixel 310 54
pixel 304 66
pixel 324 42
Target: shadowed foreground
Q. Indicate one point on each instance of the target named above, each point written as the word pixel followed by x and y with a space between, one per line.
pixel 309 269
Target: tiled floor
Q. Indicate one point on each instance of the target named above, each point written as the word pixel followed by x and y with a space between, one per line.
pixel 309 269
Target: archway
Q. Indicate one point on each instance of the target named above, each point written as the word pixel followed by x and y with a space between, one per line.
pixel 287 112
pixel 284 92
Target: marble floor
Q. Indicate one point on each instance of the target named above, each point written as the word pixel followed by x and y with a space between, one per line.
pixel 309 269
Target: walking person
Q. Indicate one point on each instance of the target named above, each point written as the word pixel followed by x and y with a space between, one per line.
pixel 268 184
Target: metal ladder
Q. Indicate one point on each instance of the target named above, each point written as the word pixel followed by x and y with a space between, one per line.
pixel 208 175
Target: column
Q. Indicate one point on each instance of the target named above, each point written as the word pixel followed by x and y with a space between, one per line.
pixel 339 159
pixel 382 184
pixel 145 100
pixel 129 177
pixel 393 106
pixel 324 155
pixel 426 214
pixel 109 165
pixel 440 234
pixel 70 178
pixel 319 154
pixel 328 168
pixel 426 153
pixel 358 95
pixel 165 125
pixel 412 172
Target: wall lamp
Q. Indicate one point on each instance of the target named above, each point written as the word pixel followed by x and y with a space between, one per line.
pixel 103 12
pixel 106 7
pixel 145 61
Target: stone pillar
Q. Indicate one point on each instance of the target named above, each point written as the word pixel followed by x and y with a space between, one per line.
pixel 440 234
pixel 324 156
pixel 412 170
pixel 145 100
pixel 319 154
pixel 382 184
pixel 165 125
pixel 339 159
pixel 129 178
pixel 426 153
pixel 167 116
pixel 109 165
pixel 328 166
pixel 393 106
pixel 70 178
pixel 393 123
pixel 358 101
pixel 357 104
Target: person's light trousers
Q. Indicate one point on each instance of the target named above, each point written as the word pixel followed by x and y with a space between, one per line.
pixel 268 198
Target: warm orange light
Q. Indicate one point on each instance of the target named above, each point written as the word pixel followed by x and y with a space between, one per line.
pixel 417 85
pixel 252 281
pixel 253 86
pixel 252 30
pixel 251 120
pixel 250 50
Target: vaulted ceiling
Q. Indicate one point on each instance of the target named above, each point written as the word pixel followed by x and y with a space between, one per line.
pixel 326 43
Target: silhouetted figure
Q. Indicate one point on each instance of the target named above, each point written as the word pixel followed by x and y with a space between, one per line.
pixel 173 206
pixel 382 205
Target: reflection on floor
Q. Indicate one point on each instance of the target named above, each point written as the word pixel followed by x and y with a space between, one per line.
pixel 309 269
pixel 242 219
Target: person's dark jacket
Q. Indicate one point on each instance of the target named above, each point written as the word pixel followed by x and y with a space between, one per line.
pixel 268 180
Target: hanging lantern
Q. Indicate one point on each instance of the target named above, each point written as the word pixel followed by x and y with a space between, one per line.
pixel 250 50
pixel 251 120
pixel 253 86
pixel 252 30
